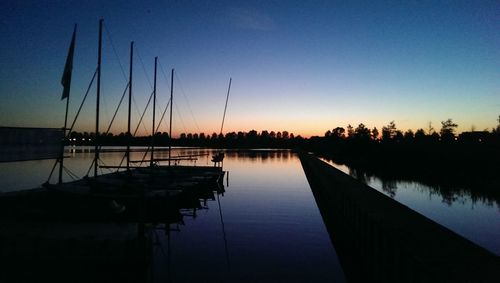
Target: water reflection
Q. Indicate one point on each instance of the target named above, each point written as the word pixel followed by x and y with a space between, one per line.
pixel 264 227
pixel 471 213
pixel 449 190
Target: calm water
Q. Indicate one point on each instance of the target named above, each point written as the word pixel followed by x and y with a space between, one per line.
pixel 476 219
pixel 266 227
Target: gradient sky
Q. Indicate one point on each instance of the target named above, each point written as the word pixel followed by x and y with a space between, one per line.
pixel 301 66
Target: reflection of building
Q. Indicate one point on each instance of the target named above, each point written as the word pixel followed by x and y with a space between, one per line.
pixel 29 143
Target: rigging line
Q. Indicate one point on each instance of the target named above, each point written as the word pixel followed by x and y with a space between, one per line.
pixel 139 113
pixel 144 156
pixel 71 174
pixel 52 171
pixel 116 53
pixel 143 68
pixel 104 105
pixel 121 162
pixel 143 113
pixel 187 101
pixel 83 102
pixel 168 85
pixel 180 118
pixel 116 111
pixel 90 168
pixel 76 118
pixel 164 74
pixel 118 108
pixel 163 115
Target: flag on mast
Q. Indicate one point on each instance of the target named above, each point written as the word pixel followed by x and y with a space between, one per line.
pixel 68 68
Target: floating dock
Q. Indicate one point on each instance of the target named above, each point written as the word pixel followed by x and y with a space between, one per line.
pixel 100 227
pixel 378 239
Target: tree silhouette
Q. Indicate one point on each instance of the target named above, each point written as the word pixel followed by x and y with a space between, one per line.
pixel 498 126
pixel 362 132
pixel 375 133
pixel 350 131
pixel 338 132
pixel 389 131
pixel 448 130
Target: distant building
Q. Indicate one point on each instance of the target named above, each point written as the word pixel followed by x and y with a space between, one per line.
pixel 29 143
pixel 474 137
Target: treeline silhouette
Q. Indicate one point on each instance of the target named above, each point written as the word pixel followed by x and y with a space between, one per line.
pixel 469 159
pixel 440 158
pixel 251 139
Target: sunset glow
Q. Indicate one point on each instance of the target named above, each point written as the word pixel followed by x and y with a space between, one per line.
pixel 296 66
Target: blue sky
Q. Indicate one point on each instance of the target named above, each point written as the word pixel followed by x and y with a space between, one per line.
pixel 301 66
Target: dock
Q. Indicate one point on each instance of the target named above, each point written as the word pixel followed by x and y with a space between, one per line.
pixel 100 227
pixel 379 239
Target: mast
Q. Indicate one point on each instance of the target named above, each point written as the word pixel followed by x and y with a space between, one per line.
pixel 129 136
pixel 154 113
pixel 96 141
pixel 171 106
pixel 225 107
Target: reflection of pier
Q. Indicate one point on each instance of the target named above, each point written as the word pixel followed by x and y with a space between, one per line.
pixel 379 239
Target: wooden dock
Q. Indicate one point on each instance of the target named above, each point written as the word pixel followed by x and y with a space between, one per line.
pixel 78 234
pixel 380 240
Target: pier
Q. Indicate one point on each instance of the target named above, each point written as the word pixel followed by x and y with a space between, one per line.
pixel 378 239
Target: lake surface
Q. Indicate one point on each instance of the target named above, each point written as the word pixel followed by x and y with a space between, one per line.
pixel 266 227
pixel 475 218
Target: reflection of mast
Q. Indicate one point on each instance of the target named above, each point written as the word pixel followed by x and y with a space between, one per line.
pixel 169 255
pixel 224 235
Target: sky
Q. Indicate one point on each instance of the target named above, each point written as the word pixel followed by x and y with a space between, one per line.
pixel 301 66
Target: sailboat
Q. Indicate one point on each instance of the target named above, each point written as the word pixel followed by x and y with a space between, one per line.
pixel 135 191
pixel 218 157
pixel 204 175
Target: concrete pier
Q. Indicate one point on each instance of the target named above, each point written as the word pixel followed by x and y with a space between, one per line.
pixel 380 240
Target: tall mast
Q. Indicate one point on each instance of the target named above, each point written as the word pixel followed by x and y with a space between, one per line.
pixel 225 107
pixel 96 141
pixel 129 136
pixel 154 113
pixel 171 106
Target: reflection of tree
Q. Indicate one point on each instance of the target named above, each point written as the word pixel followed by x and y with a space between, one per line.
pixel 390 187
pixel 359 175
pixel 448 197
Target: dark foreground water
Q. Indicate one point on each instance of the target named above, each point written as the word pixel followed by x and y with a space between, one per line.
pixel 266 227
